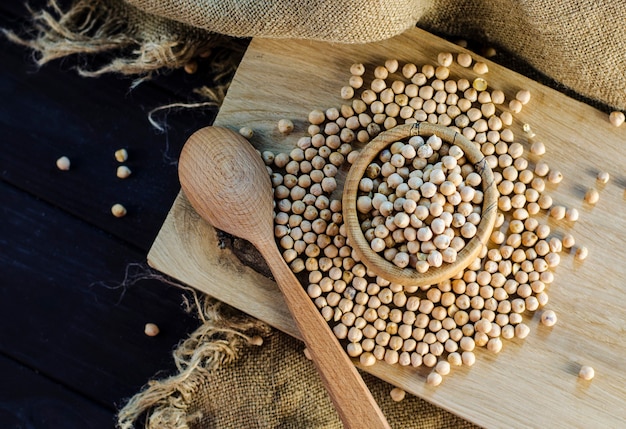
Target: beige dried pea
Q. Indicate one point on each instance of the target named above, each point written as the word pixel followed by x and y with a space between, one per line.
pixel 63 163
pixel 586 372
pixel 617 118
pixel 118 210
pixel 151 330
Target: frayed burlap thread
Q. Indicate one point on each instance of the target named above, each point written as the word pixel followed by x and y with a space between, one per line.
pixel 136 42
pixel 217 343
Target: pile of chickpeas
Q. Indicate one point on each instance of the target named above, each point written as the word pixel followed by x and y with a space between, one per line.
pixel 419 203
pixel 437 326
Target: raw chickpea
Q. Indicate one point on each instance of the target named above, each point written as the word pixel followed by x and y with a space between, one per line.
pixel 397 394
pixel 285 126
pixel 581 253
pixel 602 177
pixel 548 318
pixel 592 196
pixel 151 330
pixel 121 155
pixel 515 106
pixel 434 379
pixel 63 163
pixel 523 96
pixel 357 69
pixel 586 372
pixel 118 210
pixel 558 212
pixel 571 214
pixel 481 68
pixel 616 118
pixel 568 241
pixel 537 148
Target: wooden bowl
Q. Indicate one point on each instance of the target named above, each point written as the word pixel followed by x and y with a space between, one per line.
pixel 409 276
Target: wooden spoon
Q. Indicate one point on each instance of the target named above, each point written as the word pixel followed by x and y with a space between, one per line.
pixel 227 183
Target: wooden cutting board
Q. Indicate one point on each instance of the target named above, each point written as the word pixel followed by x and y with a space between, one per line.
pixel 532 382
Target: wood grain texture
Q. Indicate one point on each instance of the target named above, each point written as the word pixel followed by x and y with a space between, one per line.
pixel 379 265
pixel 227 183
pixel 531 383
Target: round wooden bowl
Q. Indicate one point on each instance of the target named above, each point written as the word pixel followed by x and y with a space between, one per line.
pixel 409 276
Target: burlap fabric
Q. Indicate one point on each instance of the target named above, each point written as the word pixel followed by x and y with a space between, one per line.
pixel 577 46
pixel 578 43
pixel 282 391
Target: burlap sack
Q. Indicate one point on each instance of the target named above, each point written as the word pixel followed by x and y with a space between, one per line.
pixel 578 44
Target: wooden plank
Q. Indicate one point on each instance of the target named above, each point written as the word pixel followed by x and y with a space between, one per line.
pixel 62 313
pixel 28 399
pixel 534 381
pixel 55 112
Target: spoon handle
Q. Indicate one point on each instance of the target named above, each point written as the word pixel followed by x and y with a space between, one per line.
pixel 350 395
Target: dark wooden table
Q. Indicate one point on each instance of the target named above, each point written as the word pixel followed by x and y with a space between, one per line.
pixel 72 342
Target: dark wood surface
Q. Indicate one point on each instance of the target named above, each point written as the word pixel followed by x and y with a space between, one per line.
pixel 72 347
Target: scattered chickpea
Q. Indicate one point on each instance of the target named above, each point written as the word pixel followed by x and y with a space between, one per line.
pixel 63 163
pixel 537 148
pixel 121 155
pixel 548 318
pixel 434 379
pixel 151 330
pixel 581 253
pixel 442 367
pixel 357 69
pixel 558 212
pixel 616 118
pixel 542 169
pixel 397 394
pixel 317 117
pixel 480 68
pixel 555 176
pixel 568 241
pixel 347 92
pixel 123 172
pixel 592 196
pixel 246 132
pixel 118 210
pixel 586 372
pixel 468 358
pixel 571 214
pixel 191 67
pixel 523 96
pixel 256 340
pixel 603 177
pixel 479 84
pixel 464 59
pixel 285 126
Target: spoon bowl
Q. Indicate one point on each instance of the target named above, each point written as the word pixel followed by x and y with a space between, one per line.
pixel 227 183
